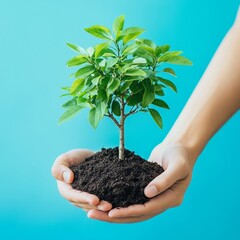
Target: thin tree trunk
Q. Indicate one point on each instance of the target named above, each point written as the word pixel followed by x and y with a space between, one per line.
pixel 121 143
pixel 121 128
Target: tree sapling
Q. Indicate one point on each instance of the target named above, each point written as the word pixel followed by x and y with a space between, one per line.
pixel 119 77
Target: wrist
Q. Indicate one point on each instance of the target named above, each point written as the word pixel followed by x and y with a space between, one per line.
pixel 188 145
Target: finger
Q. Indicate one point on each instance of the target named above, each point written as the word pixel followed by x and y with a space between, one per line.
pixel 74 195
pixel 172 174
pixel 131 211
pixel 60 168
pixel 84 209
pixel 73 157
pixel 103 206
pixel 84 206
pixel 62 173
pixel 103 216
pixel 155 206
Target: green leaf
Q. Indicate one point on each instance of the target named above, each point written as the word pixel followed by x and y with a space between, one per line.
pixel 66 88
pixel 149 93
pixel 100 49
pixel 159 92
pixel 72 46
pixel 94 117
pixel 118 25
pixel 160 103
pixel 112 85
pixel 129 49
pixel 95 80
pixel 158 89
pixel 102 95
pixel 151 74
pixel 70 113
pixel 65 94
pixel 79 49
pixel 100 32
pixel 144 54
pixel 167 55
pixel 131 33
pixel 180 60
pixel 147 42
pixel 135 99
pixel 102 63
pixel 116 108
pixel 161 50
pixel 132 78
pixel 93 92
pixel 170 71
pixel 135 72
pixel 158 86
pixel 85 71
pixel 77 86
pixel 156 116
pixel 70 103
pixel 109 53
pixel 96 114
pixel 139 60
pixel 126 66
pixel 81 100
pixel 101 108
pixel 168 83
pixel 111 62
pixel 125 86
pixel 75 61
pixel 136 87
pixel 130 30
pixel 90 51
pixel 149 48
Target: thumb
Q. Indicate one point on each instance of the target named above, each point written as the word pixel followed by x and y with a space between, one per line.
pixel 161 182
pixel 62 173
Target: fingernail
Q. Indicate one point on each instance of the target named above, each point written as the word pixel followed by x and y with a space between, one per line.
pixel 93 200
pixel 151 191
pixel 101 205
pixel 66 176
pixel 110 214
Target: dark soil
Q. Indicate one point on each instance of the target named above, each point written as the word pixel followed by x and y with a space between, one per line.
pixel 120 182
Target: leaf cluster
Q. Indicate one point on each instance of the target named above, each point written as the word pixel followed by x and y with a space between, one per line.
pixel 120 76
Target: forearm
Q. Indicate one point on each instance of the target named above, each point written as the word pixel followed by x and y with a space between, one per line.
pixel 215 99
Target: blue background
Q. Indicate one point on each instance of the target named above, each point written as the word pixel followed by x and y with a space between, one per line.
pixel 32 59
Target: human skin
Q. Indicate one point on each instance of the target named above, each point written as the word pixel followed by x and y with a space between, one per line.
pixel 215 99
pixel 64 177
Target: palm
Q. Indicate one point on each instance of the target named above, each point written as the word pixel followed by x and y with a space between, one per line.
pixel 78 198
pixel 171 186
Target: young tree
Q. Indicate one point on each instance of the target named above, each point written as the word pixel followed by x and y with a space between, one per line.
pixel 120 77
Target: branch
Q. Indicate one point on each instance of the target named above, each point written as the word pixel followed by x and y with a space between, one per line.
pixel 132 111
pixel 110 115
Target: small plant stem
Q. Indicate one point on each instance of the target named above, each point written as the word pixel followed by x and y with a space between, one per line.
pixel 122 116
pixel 121 128
pixel 132 111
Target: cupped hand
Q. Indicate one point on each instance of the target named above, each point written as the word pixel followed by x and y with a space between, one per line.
pixel 64 177
pixel 166 190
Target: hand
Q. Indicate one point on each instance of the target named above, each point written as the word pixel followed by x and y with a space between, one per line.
pixel 64 177
pixel 166 190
